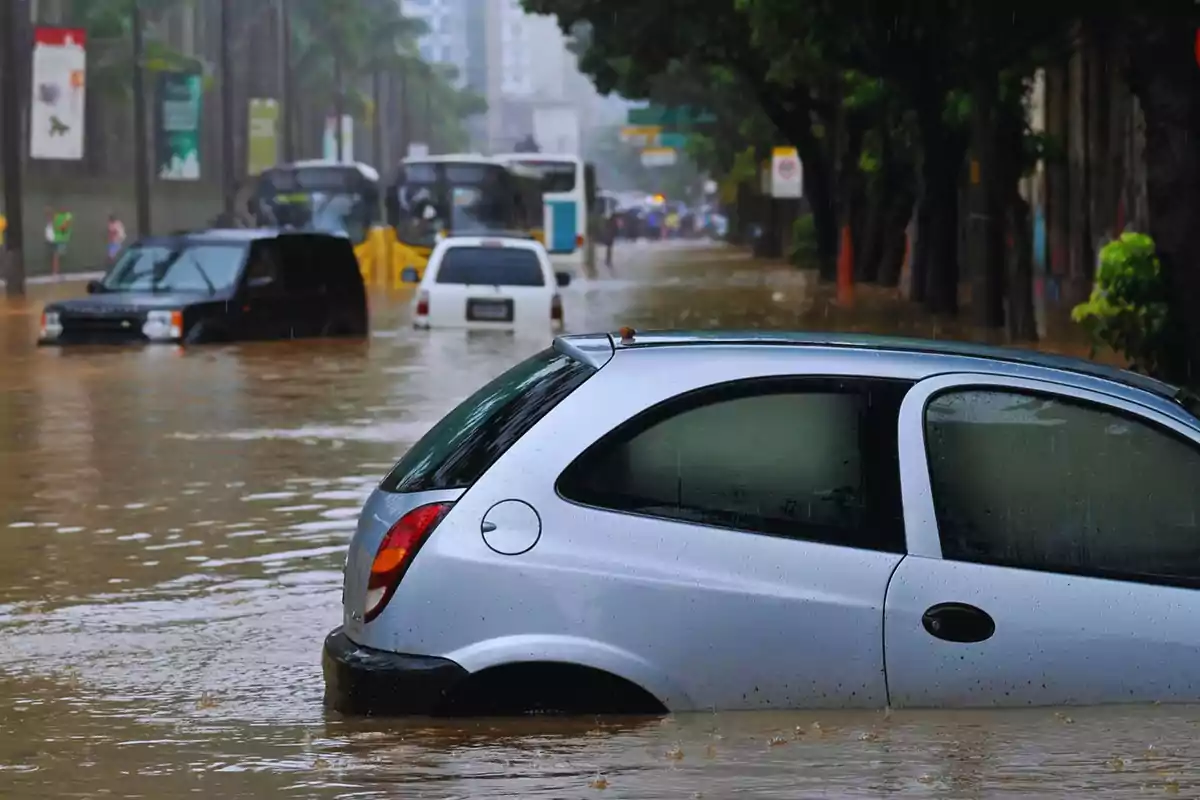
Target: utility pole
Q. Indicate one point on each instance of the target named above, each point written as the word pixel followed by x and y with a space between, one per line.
pixel 13 143
pixel 141 171
pixel 285 79
pixel 228 173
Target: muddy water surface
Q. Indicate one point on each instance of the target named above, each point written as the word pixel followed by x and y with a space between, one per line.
pixel 172 528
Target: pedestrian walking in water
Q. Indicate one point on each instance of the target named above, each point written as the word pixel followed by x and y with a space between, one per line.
pixel 58 236
pixel 612 224
pixel 116 237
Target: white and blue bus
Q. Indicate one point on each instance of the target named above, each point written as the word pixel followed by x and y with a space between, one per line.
pixel 569 196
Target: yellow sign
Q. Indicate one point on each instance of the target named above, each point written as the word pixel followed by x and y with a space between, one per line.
pixel 785 152
pixel 641 135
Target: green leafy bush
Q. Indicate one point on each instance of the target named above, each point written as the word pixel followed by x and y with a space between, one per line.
pixel 804 242
pixel 1127 310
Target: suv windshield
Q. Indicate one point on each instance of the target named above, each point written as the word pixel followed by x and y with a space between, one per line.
pixel 458 450
pixel 491 266
pixel 206 268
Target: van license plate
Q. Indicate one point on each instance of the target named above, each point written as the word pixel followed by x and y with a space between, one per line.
pixel 490 310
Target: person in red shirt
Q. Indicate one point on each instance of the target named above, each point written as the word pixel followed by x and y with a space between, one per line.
pixel 116 237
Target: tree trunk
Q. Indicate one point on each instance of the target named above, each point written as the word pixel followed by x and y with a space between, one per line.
pixel 942 155
pixel 867 255
pixel 1022 322
pixel 794 122
pixel 850 181
pixel 1166 79
pixel 990 185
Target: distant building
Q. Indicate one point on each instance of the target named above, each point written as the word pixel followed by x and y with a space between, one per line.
pixel 446 40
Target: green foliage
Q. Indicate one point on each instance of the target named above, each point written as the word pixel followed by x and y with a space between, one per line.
pixel 1127 310
pixel 804 242
pixel 109 26
pixel 361 37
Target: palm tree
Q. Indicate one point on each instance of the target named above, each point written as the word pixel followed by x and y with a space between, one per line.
pixel 346 47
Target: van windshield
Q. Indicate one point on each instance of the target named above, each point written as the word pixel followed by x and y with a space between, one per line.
pixel 457 451
pixel 491 266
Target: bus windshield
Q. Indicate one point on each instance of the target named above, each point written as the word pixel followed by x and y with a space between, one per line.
pixel 328 212
pixel 327 199
pixel 434 197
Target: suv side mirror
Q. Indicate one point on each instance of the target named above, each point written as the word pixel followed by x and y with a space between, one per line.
pixel 563 279
pixel 94 287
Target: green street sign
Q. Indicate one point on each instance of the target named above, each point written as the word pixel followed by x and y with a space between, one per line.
pixel 662 116
pixel 676 141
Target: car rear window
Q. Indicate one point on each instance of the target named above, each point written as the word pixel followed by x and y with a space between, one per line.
pixel 459 449
pixel 492 266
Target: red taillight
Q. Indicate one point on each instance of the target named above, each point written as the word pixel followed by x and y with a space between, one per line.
pixel 579 240
pixel 423 304
pixel 396 552
pixel 556 314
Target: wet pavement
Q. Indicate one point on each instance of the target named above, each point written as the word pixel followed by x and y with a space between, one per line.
pixel 172 527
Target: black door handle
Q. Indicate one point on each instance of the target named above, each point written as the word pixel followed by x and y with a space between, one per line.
pixel 958 622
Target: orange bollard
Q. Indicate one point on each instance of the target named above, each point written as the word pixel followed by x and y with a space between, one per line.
pixel 845 269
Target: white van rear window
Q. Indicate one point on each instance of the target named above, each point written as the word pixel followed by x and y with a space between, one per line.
pixel 491 266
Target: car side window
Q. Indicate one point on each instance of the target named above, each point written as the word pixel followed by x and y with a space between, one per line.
pixel 1046 483
pixel 263 276
pixel 301 261
pixel 809 459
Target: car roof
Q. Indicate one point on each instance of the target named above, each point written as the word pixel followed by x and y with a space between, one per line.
pixel 595 344
pixel 234 235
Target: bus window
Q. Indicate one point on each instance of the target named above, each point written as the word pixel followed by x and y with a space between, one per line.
pixel 557 176
pixel 429 198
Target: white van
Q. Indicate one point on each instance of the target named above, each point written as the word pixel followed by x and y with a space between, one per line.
pixel 489 283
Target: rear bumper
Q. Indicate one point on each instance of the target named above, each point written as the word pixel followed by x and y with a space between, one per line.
pixel 365 682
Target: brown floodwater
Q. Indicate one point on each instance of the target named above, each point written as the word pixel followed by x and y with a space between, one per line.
pixel 172 527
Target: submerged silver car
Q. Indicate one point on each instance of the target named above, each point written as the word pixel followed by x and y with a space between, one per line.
pixel 648 522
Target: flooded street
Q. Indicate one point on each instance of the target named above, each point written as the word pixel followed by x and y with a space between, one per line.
pixel 172 528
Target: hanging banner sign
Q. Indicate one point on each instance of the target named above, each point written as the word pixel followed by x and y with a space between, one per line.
pixel 57 112
pixel 178 135
pixel 263 152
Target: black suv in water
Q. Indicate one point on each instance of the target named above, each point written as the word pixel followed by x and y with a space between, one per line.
pixel 218 286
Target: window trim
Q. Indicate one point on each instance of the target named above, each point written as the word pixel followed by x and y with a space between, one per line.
pixel 920 513
pixel 738 388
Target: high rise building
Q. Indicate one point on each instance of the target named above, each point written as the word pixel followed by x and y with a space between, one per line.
pixel 446 39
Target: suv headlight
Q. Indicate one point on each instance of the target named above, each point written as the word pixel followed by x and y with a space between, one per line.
pixel 163 325
pixel 51 325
